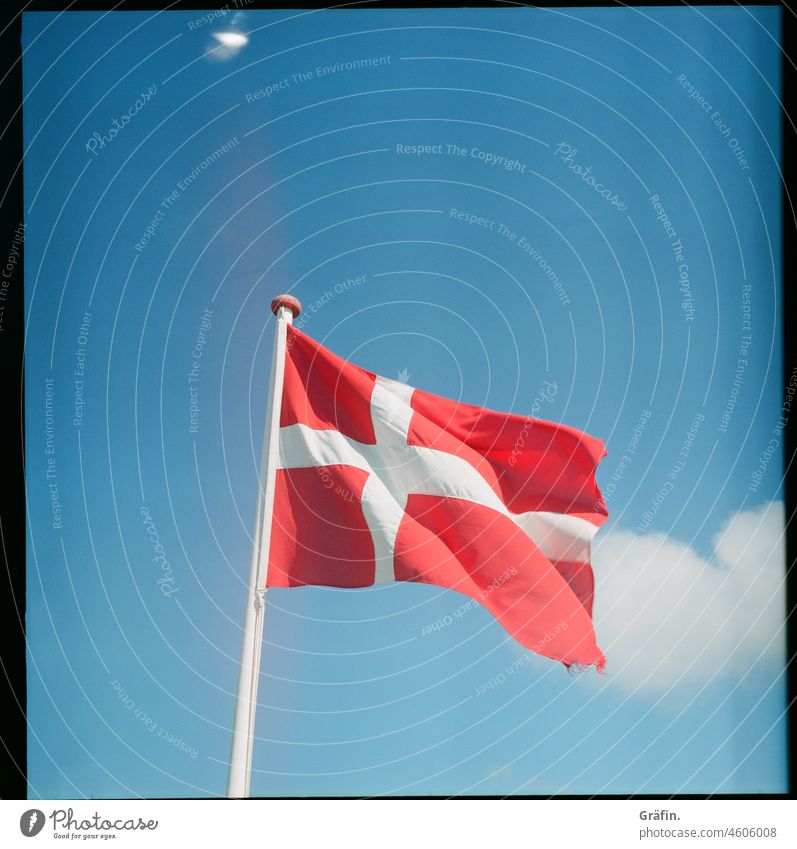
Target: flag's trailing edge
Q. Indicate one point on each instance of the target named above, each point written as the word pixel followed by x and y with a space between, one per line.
pixel 378 482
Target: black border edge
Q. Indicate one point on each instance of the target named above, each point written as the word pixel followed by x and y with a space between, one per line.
pixel 789 225
pixel 13 689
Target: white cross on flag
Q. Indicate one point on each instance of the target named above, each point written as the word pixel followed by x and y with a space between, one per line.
pixel 377 482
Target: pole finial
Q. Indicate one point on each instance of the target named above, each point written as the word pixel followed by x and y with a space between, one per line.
pixel 287 301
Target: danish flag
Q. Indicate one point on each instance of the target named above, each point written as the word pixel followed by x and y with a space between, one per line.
pixel 377 481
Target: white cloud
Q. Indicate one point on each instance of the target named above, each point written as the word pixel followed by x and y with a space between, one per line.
pixel 666 617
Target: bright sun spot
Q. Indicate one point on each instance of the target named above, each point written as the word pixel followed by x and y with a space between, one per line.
pixel 231 39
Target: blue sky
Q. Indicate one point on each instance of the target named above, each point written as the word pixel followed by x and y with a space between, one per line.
pixel 519 196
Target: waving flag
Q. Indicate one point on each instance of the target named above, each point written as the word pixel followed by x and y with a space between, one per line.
pixel 379 482
pixel 365 480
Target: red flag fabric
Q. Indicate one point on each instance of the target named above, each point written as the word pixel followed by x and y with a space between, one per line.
pixel 378 482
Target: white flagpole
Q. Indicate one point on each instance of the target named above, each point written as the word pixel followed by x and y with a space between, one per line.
pixel 285 308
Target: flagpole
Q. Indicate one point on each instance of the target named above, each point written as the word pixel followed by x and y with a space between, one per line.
pixel 285 308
